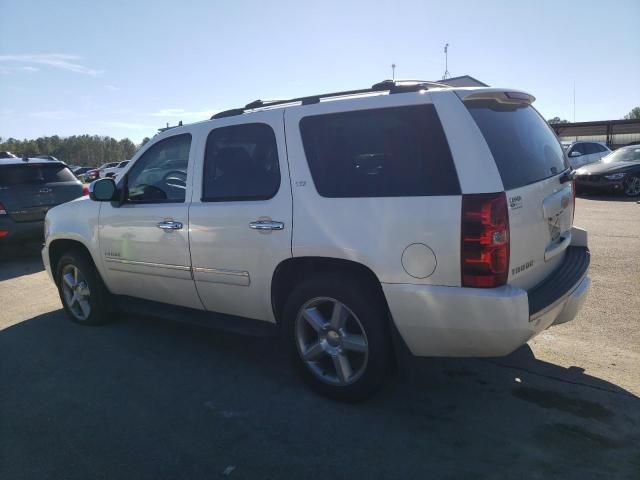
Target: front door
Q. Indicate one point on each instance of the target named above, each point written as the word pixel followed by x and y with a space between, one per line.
pixel 145 241
pixel 240 220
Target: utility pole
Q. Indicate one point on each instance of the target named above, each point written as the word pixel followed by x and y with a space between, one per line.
pixel 393 71
pixel 446 62
pixel 574 101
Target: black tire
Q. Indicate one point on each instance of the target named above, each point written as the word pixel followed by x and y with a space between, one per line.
pixel 365 307
pixel 626 183
pixel 98 299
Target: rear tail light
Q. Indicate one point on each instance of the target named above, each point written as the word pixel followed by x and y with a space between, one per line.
pixel 4 233
pixel 485 240
pixel 85 190
pixel 3 211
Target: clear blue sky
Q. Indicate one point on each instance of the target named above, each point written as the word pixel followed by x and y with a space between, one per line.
pixel 124 68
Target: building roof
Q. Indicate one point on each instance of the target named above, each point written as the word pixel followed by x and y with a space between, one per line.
pixel 463 81
pixel 597 128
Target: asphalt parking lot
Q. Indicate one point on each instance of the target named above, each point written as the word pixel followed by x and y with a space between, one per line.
pixel 150 399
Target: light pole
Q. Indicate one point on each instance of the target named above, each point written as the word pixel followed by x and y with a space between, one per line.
pixel 446 62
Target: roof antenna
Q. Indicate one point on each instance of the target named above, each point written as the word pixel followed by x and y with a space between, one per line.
pixel 393 71
pixel 446 63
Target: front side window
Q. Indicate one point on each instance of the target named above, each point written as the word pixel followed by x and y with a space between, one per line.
pixel 387 152
pixel 241 163
pixel 580 148
pixel 160 174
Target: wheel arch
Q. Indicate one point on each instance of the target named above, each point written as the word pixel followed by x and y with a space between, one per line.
pixel 59 246
pixel 292 270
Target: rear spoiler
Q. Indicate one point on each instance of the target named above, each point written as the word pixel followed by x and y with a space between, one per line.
pixel 516 97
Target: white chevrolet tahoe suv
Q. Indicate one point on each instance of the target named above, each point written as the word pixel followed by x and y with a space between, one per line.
pixel 406 216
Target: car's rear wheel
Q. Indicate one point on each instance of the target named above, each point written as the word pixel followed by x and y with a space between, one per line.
pixel 336 328
pixel 632 186
pixel 83 295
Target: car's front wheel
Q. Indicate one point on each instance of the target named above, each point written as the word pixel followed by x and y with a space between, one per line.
pixel 632 186
pixel 83 295
pixel 336 328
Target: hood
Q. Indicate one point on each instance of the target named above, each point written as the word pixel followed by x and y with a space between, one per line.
pixel 600 168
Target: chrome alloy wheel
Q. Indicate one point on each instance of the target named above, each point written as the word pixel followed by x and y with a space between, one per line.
pixel 331 341
pixel 76 292
pixel 632 186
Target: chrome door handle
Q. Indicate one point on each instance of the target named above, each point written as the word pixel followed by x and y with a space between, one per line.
pixel 169 225
pixel 266 225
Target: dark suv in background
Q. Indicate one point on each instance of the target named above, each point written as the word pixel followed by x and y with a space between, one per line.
pixel 28 189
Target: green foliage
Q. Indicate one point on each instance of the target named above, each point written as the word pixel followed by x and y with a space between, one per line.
pixel 556 120
pixel 634 114
pixel 85 150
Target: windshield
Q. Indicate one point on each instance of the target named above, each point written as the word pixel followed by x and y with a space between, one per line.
pixel 523 145
pixel 624 154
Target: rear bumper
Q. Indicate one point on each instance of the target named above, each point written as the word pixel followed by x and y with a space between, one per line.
pixel 471 322
pixel 21 230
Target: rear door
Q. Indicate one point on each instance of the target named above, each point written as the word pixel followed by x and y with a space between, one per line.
pixel 29 190
pixel 530 161
pixel 240 218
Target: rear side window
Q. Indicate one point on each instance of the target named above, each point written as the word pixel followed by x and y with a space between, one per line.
pixel 591 148
pixel 524 147
pixel 11 175
pixel 595 148
pixel 241 163
pixel 389 152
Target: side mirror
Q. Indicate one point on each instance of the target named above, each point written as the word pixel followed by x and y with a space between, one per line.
pixel 575 154
pixel 102 190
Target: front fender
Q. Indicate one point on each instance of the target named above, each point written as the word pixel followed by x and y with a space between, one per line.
pixel 76 221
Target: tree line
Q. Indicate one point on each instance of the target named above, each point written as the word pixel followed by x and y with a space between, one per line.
pixel 85 150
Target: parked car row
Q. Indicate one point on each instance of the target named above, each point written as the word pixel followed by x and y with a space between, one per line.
pixel 108 170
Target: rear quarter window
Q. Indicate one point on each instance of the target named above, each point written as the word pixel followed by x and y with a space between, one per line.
pixel 524 147
pixel 389 152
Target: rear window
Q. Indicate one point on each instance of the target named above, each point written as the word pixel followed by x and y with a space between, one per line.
pixel 524 147
pixel 389 152
pixel 33 174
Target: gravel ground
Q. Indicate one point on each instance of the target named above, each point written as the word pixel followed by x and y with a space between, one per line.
pixel 146 398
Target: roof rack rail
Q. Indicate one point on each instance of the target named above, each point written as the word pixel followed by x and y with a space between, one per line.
pixel 391 86
pixel 164 129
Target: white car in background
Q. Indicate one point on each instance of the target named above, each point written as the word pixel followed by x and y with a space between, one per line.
pixel 584 153
pixel 112 172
